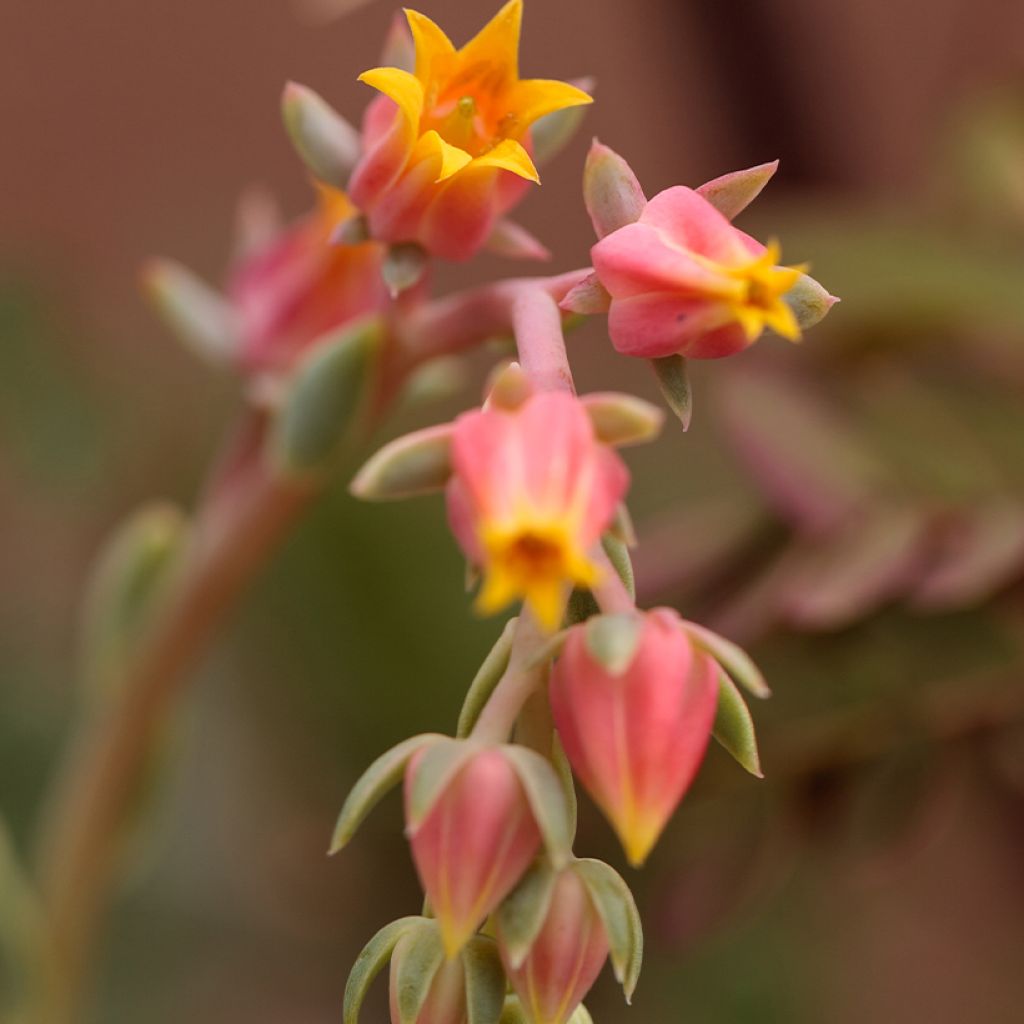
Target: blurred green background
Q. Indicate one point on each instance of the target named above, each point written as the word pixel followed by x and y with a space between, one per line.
pixel 852 509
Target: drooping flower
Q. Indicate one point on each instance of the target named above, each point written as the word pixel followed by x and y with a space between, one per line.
pixel 475 841
pixel 532 490
pixel 446 148
pixel 301 284
pixel 634 702
pixel 566 956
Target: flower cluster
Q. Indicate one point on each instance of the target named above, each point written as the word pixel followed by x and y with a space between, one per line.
pixel 335 312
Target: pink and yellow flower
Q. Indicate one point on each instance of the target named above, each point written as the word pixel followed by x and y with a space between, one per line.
pixel 636 732
pixel 532 490
pixel 446 148
pixel 300 285
pixel 474 843
pixel 566 956
pixel 683 280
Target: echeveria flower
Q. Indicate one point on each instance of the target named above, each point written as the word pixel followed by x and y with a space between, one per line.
pixel 446 147
pixel 532 490
pixel 634 703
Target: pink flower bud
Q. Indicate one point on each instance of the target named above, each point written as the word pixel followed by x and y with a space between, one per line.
pixel 634 716
pixel 300 286
pixel 446 1000
pixel 566 956
pixel 446 147
pixel 532 491
pixel 473 844
pixel 684 281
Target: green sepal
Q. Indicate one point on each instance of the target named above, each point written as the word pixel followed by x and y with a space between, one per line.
pixel 733 659
pixel 422 955
pixel 374 956
pixel 551 133
pixel 809 301
pixel 485 981
pixel 732 193
pixel 546 796
pixel 438 766
pixel 734 726
pixel 417 463
pixel 486 679
pixel 521 916
pixel 674 381
pixel 383 775
pixel 622 420
pixel 618 553
pixel 327 144
pixel 616 907
pixel 326 398
pixel 404 266
pixel 611 192
pixel 131 576
pixel 612 640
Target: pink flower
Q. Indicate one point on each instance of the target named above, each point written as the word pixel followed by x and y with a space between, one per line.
pixel 683 280
pixel 446 147
pixel 566 956
pixel 532 490
pixel 474 843
pixel 300 286
pixel 634 703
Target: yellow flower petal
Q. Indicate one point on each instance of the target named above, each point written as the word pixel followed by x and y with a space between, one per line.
pixel 546 599
pixel 509 155
pixel 453 159
pixel 532 98
pixel 431 43
pixel 405 89
pixel 497 43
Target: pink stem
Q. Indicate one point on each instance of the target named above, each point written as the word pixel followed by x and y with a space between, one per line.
pixel 537 323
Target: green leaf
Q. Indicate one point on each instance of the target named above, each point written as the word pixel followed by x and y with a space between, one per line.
pixel 547 800
pixel 485 981
pixel 385 773
pixel 736 662
pixel 674 381
pixel 326 397
pixel 486 679
pixel 611 640
pixel 617 909
pixel 422 955
pixel 581 1015
pixel 198 314
pixel 130 577
pixel 438 766
pixel 417 463
pixel 374 956
pixel 512 1012
pixel 734 727
pixel 21 922
pixel 521 916
pixel 327 144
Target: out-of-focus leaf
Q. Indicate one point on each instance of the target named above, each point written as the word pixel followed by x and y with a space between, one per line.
pixel 553 132
pixel 327 144
pixel 485 981
pixel 872 560
pixel 521 915
pixel 514 242
pixel 809 463
pixel 674 381
pixel 21 925
pixel 981 556
pixel 734 727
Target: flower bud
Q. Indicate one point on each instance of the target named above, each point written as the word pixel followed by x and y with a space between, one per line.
pixel 473 833
pixel 634 703
pixel 565 956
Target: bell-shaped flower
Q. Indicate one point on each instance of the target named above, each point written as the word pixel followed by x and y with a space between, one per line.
pixel 532 490
pixel 446 147
pixel 564 957
pixel 634 702
pixel 476 817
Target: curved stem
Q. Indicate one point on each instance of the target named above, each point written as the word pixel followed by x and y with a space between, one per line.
pixel 79 847
pixel 609 591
